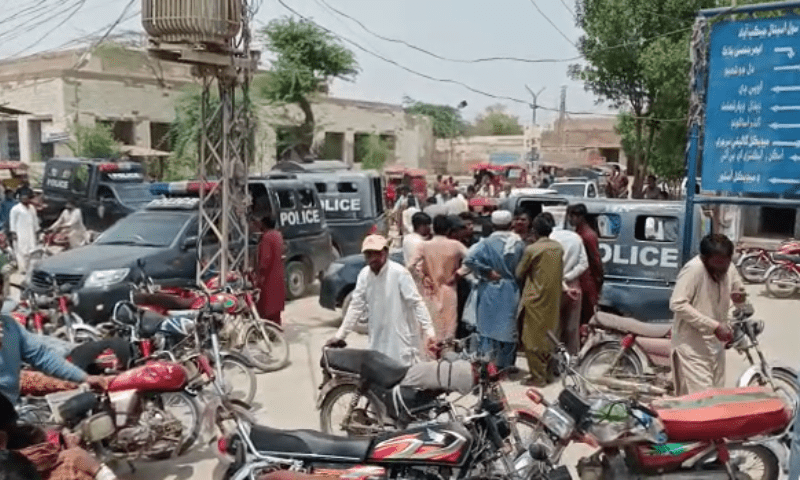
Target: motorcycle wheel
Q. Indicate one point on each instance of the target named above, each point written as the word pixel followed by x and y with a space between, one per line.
pixel 753 269
pixel 368 416
pixel 597 363
pixel 270 353
pixel 184 408
pixel 238 380
pixel 785 385
pixel 782 283
pixel 756 462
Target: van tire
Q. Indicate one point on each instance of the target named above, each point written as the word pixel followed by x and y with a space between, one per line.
pixel 296 280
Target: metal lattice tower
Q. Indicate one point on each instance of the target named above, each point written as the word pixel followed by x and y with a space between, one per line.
pixel 219 50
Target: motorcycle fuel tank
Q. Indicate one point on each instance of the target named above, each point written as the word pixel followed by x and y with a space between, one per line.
pixel 441 444
pixel 153 377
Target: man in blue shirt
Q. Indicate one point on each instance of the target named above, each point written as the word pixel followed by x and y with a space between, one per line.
pixel 5 208
pixel 17 346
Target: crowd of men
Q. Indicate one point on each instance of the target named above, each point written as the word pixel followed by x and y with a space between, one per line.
pixel 526 278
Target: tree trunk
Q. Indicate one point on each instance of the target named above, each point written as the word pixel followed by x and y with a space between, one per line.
pixel 305 138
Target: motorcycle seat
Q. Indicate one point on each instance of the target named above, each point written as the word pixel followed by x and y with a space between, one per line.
pixel 309 442
pixel 732 413
pixel 631 325
pixel 150 323
pixel 165 300
pixel 780 257
pixel 373 367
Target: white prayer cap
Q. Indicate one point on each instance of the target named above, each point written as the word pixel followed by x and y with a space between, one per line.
pixel 501 218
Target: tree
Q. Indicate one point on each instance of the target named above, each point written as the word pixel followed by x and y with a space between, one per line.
pixel 373 151
pixel 637 58
pixel 495 121
pixel 446 120
pixel 306 56
pixel 96 141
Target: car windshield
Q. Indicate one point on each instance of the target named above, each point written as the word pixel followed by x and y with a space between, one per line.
pixel 134 192
pixel 569 189
pixel 146 229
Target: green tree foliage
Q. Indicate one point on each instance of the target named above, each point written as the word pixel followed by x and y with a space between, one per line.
pixel 184 136
pixel 637 58
pixel 446 120
pixel 96 141
pixel 373 151
pixel 495 121
pixel 305 57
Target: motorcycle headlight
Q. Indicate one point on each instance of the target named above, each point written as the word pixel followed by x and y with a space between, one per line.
pixel 104 278
pixel 558 422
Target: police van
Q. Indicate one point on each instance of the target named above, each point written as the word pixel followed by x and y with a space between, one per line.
pixel 641 243
pixel 352 200
pixel 105 191
pixel 296 205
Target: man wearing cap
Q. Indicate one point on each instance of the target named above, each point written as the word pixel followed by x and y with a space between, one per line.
pixel 494 261
pixel 385 293
pixel 438 261
pixel 23 223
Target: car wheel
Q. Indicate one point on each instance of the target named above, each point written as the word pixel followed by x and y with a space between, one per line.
pixel 296 282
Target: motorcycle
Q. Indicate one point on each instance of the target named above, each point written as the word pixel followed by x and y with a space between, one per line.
pixel 261 341
pixel 713 435
pixel 480 444
pixel 636 353
pixel 783 278
pixel 753 264
pixel 50 313
pixel 187 338
pixel 145 413
pixel 375 394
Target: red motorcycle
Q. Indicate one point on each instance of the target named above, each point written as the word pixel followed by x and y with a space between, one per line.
pixel 783 278
pixel 144 414
pixel 51 313
pixel 261 341
pixel 754 264
pixel 713 435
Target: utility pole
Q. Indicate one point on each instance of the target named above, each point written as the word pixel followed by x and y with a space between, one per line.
pixel 218 48
pixel 534 105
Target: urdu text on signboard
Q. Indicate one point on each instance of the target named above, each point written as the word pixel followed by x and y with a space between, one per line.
pixel 752 125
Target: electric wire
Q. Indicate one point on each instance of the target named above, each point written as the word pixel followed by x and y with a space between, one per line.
pixel 533 2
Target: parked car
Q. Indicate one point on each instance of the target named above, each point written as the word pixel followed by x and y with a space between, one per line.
pixel 164 235
pixel 575 188
pixel 104 191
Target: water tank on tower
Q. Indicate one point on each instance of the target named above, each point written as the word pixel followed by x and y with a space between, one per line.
pixel 210 22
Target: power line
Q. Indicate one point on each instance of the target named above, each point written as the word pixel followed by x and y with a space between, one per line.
pixel 105 35
pixel 567 7
pixel 533 2
pixel 436 55
pixel 77 8
pixel 448 80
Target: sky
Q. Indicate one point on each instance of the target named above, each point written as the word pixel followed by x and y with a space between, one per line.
pixel 453 29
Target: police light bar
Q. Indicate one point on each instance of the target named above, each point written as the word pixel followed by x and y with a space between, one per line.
pixel 114 166
pixel 181 188
pixel 173 204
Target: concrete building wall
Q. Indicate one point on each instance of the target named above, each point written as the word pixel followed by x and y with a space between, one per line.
pixel 455 156
pixel 413 135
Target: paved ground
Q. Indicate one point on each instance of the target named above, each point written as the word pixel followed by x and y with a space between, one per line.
pixel 287 398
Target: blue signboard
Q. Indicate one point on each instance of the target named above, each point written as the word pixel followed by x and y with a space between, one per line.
pixel 752 126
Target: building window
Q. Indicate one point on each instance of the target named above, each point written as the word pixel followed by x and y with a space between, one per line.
pixel 777 222
pixel 159 136
pixel 333 146
pixel 12 133
pixel 123 131
pixel 285 199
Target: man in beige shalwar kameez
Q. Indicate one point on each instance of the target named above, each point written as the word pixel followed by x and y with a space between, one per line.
pixel 438 261
pixel 701 300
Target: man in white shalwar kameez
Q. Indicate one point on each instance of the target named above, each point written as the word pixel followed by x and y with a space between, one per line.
pixel 386 294
pixel 71 221
pixel 23 224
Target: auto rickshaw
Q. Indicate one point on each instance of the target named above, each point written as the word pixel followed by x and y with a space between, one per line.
pixel 414 178
pixel 500 175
